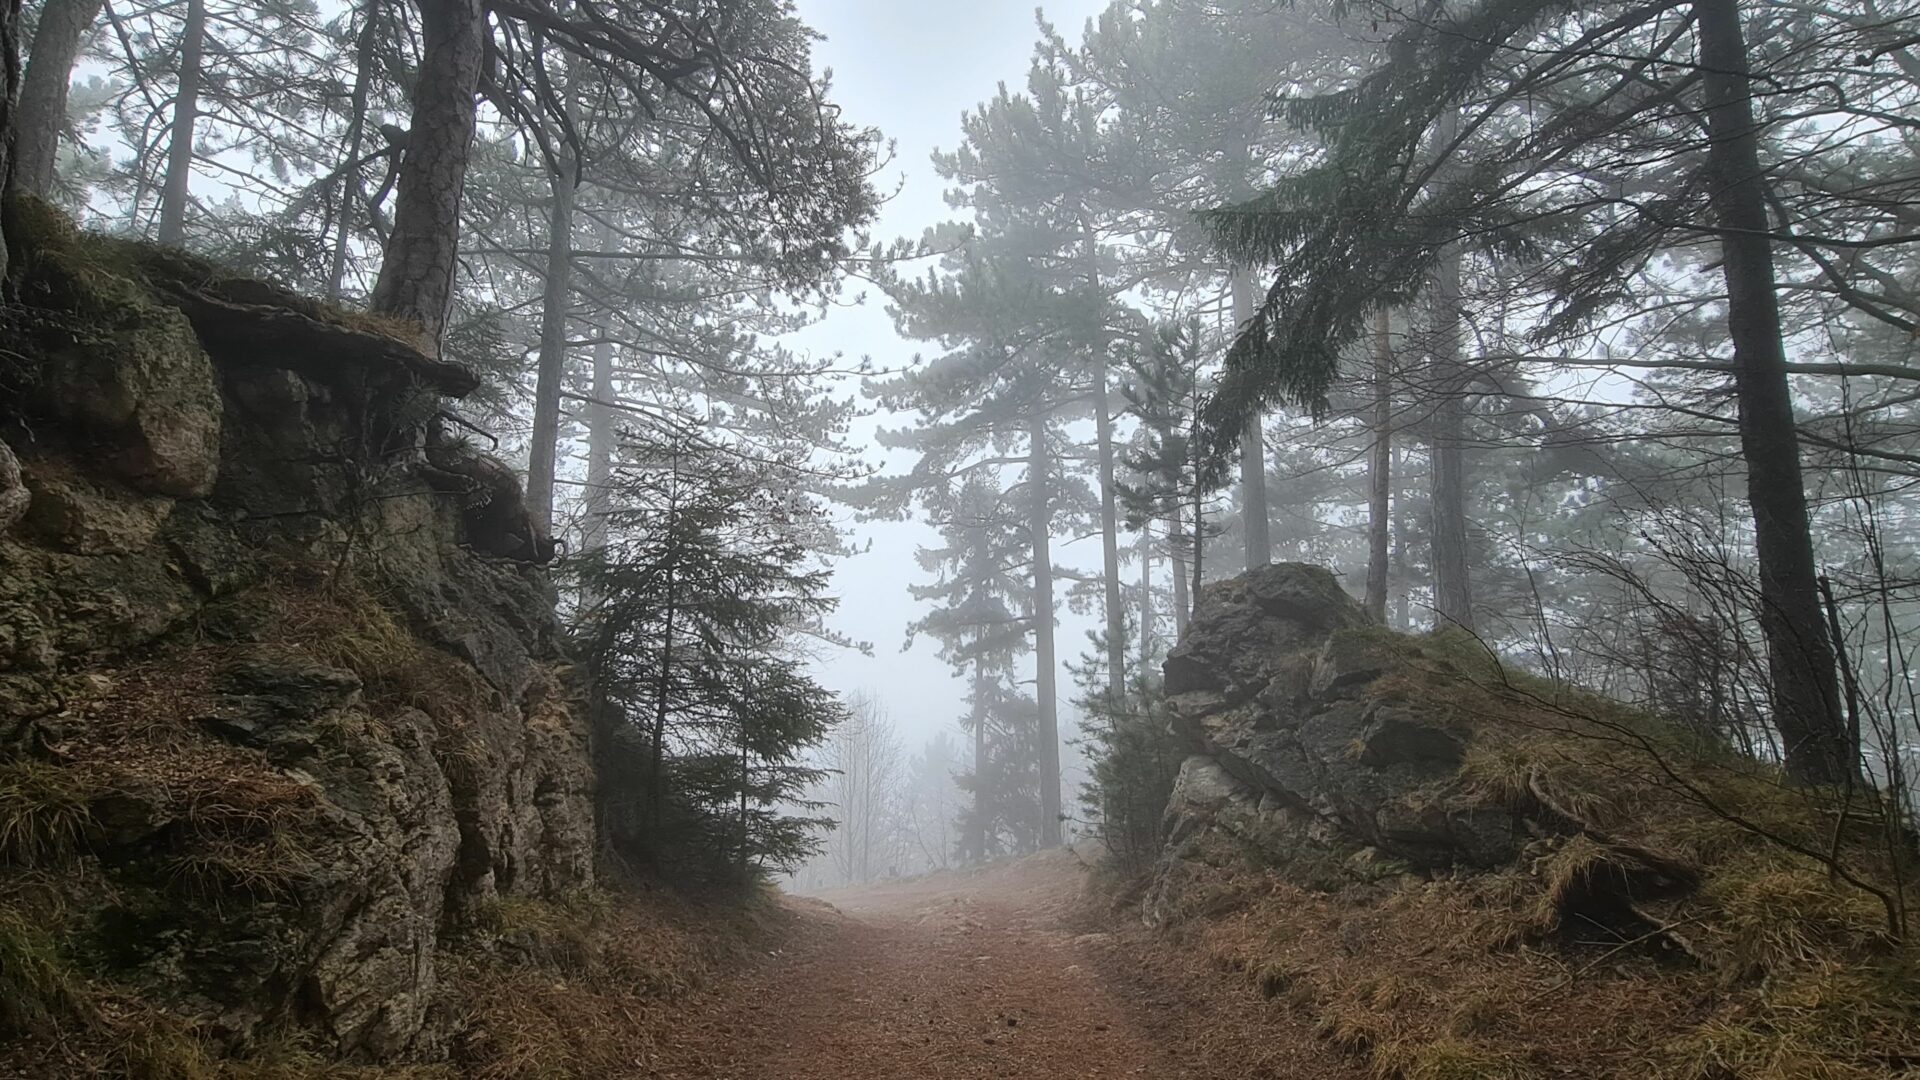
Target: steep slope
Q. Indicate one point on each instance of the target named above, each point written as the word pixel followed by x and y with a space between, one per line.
pixel 281 707
pixel 1457 870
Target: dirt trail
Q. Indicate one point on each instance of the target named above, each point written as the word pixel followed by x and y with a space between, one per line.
pixel 979 975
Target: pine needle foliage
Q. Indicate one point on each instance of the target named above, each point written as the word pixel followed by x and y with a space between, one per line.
pixel 703 710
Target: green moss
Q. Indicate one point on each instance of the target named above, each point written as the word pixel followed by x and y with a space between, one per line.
pixel 94 280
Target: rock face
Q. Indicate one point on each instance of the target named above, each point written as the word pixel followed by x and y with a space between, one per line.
pixel 1305 755
pixel 305 727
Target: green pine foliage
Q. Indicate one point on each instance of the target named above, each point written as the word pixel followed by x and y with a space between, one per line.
pixel 1133 757
pixel 703 711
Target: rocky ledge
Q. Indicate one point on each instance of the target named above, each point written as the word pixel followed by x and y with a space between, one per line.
pixel 281 700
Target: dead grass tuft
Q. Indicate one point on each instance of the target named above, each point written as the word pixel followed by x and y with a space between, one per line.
pixel 580 987
pixel 44 812
pixel 37 986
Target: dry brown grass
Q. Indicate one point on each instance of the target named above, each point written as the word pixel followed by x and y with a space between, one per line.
pixel 1664 925
pixel 348 626
pixel 585 987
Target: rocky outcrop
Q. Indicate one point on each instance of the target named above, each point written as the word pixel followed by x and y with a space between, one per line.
pixel 301 724
pixel 1307 753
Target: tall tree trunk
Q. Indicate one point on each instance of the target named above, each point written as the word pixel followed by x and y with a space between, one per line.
pixel 349 187
pixel 9 108
pixel 417 274
pixel 1039 524
pixel 1397 559
pixel 1199 517
pixel 1380 470
pixel 1109 512
pixel 556 305
pixel 1253 451
pixel 1110 541
pixel 42 114
pixel 1452 580
pixel 1176 537
pixel 186 113
pixel 1800 657
pixel 977 825
pixel 601 428
pixel 1144 551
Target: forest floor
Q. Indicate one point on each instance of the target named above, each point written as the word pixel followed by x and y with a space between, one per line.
pixel 1009 971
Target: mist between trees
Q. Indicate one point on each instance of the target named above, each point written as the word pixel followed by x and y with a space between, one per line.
pixel 1584 328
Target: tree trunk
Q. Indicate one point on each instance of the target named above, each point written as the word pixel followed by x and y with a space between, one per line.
pixel 1199 517
pixel 1380 472
pixel 977 826
pixel 1109 513
pixel 417 274
pixel 1452 581
pixel 556 305
pixel 1144 550
pixel 363 65
pixel 1397 559
pixel 1253 451
pixel 1800 657
pixel 601 429
pixel 1110 542
pixel 41 117
pixel 9 112
pixel 186 113
pixel 1039 525
pixel 1176 536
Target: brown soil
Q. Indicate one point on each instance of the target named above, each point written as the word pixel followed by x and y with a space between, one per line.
pixel 998 973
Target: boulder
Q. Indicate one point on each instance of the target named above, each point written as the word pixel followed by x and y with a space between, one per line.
pixel 1304 752
pixel 143 394
pixel 1243 626
pixel 76 514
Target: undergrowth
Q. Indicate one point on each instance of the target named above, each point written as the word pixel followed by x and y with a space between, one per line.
pixel 1681 913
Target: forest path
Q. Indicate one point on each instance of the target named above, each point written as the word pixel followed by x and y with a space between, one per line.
pixel 984 974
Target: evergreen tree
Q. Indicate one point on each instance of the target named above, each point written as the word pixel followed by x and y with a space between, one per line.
pixel 978 621
pixel 702 710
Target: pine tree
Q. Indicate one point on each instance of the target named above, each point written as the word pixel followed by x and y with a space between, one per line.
pixel 978 621
pixel 702 711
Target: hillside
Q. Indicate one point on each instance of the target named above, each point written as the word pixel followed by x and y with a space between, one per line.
pixel 1454 869
pixel 292 771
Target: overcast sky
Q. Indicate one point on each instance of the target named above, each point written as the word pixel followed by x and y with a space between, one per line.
pixel 911 68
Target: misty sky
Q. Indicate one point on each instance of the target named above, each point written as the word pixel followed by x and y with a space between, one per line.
pixel 911 68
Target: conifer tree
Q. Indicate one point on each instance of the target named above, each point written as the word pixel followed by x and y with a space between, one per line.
pixel 703 711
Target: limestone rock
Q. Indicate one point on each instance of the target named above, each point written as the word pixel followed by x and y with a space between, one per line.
pixel 14 496
pixel 197 481
pixel 1307 760
pixel 144 392
pixel 76 514
pixel 1243 625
